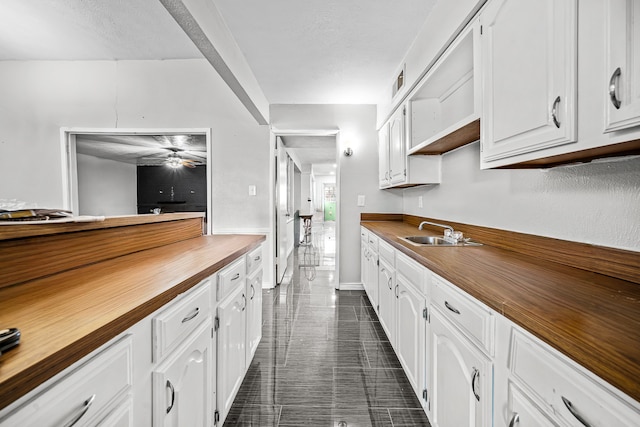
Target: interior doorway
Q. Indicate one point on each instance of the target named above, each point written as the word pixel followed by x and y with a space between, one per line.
pixel 302 159
pixel 114 172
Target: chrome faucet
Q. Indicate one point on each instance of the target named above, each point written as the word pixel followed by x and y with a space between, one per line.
pixel 447 227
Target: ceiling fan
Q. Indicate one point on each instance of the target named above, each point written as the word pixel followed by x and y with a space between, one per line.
pixel 175 160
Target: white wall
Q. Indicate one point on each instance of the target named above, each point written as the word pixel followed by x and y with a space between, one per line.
pixel 106 187
pixel 39 97
pixel 358 174
pixel 597 203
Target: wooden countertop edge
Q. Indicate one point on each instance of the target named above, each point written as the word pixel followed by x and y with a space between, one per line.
pixel 19 230
pixel 30 377
pixel 620 375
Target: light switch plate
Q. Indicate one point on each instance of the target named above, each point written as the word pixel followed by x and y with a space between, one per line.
pixel 361 200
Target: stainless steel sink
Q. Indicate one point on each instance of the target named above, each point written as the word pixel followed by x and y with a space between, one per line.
pixel 436 241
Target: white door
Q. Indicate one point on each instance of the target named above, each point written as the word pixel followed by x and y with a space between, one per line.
pixel 529 57
pixel 397 151
pixel 231 348
pixel 410 329
pixel 387 299
pixel 623 64
pixel 282 212
pixel 462 377
pixel 182 384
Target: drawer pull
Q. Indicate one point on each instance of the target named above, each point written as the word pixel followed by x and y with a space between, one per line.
pixel 475 379
pixel 574 412
pixel 612 88
pixel 258 258
pixel 236 277
pixel 451 308
pixel 85 407
pixel 173 396
pixel 193 314
pixel 515 419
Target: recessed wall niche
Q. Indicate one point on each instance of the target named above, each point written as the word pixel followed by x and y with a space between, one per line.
pixel 181 189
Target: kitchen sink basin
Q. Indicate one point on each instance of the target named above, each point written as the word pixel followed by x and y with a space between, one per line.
pixel 436 241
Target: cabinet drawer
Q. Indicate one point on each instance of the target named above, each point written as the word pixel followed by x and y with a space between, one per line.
pixel 523 412
pixel 176 321
pixel 230 277
pixel 565 389
pixel 254 260
pixel 364 235
pixel 475 320
pixel 412 271
pixel 387 253
pixel 87 394
pixel 373 241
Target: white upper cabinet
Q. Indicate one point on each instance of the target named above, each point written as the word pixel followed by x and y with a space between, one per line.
pixel 397 153
pixel 623 64
pixel 383 156
pixel 529 66
pixel 444 109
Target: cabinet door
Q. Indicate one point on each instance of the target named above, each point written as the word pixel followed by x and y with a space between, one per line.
pixel 372 279
pixel 462 377
pixel 410 327
pixel 182 383
pixel 231 348
pixel 529 57
pixel 254 314
pixel 397 149
pixel 623 64
pixel 387 299
pixel 383 156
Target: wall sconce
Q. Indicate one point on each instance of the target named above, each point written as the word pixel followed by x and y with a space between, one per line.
pixel 348 152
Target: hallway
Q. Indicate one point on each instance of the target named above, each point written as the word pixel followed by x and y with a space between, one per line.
pixel 324 359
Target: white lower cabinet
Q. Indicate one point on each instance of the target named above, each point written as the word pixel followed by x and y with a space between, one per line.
pixel 410 332
pixel 231 348
pixel 122 416
pixel 254 313
pixel 387 298
pixel 462 378
pixel 522 412
pixel 82 397
pixel 182 384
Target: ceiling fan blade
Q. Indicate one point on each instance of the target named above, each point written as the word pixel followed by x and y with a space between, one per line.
pixel 188 164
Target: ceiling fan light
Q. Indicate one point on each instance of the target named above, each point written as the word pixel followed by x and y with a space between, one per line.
pixel 174 162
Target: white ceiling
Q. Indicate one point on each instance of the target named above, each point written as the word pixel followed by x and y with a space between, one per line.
pixel 90 30
pixel 319 151
pixel 325 51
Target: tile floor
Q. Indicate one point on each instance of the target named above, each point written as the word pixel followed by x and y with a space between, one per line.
pixel 324 359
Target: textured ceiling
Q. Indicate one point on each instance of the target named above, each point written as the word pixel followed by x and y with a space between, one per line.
pixel 325 51
pixel 90 30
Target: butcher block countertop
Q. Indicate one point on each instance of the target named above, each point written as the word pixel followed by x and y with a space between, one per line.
pixel 592 318
pixel 65 316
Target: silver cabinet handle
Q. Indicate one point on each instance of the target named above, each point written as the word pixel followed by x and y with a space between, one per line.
pixel 397 291
pixel 83 410
pixel 389 282
pixel 515 419
pixel 612 88
pixel 244 298
pixel 258 258
pixel 574 412
pixel 253 292
pixel 190 316
pixel 173 396
pixel 554 112
pixel 236 277
pixel 451 308
pixel 475 378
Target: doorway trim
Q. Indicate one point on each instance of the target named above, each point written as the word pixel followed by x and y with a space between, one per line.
pixel 274 133
pixel 70 165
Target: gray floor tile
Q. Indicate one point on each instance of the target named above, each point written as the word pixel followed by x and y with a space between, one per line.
pixel 323 360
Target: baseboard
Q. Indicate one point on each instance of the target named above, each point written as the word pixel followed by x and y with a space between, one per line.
pixel 354 286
